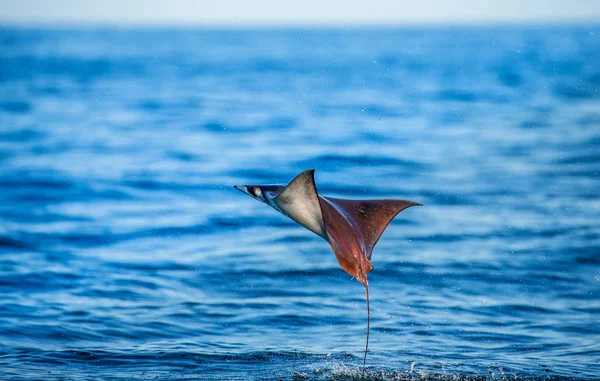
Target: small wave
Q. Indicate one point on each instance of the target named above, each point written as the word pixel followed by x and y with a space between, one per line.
pixel 592 158
pixel 346 373
pixel 457 95
pixel 577 92
pixel 295 366
pixel 373 161
pixel 16 107
pixel 10 243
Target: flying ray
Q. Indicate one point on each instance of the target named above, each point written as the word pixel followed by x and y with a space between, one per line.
pixel 352 227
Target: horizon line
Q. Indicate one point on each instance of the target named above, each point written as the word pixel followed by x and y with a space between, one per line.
pixel 165 24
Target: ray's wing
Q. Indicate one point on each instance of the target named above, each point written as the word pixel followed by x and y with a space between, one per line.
pixel 345 243
pixel 300 201
pixel 368 218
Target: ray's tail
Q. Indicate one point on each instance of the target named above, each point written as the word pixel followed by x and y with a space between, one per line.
pixel 368 328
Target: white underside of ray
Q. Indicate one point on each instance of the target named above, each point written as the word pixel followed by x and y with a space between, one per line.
pixel 300 201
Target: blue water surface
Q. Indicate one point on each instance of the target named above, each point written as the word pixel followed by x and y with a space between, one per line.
pixel 125 252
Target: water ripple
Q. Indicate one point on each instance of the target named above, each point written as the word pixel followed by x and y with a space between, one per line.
pixel 125 252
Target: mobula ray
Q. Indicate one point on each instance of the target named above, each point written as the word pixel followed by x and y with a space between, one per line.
pixel 352 227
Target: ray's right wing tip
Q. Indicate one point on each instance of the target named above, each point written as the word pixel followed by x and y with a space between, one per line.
pixel 409 203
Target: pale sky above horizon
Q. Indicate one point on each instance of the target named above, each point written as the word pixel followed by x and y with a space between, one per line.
pixel 273 12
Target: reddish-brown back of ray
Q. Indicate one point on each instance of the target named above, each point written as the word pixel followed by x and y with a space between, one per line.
pixel 344 242
pixel 355 226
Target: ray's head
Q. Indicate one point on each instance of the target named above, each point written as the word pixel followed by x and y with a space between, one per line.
pixel 254 191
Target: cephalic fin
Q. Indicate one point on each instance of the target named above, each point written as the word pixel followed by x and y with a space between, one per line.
pixel 300 201
pixel 369 218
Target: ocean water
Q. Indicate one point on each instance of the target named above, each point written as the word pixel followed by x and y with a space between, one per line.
pixel 126 253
